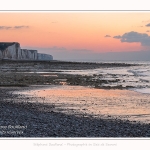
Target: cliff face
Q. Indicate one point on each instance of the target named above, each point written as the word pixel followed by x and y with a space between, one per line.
pixel 28 54
pixel 44 57
pixel 9 50
pixel 14 52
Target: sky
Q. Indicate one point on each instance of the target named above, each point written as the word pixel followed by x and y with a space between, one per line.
pixel 80 35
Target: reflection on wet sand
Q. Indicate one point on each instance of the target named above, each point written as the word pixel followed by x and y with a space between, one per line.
pixel 122 104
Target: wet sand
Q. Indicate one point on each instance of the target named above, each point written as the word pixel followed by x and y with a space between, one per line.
pixel 82 100
pixel 21 117
pixel 40 120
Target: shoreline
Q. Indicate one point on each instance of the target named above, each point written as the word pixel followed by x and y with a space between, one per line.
pixel 26 73
pixel 41 120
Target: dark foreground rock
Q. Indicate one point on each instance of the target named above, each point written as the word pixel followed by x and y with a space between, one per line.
pixel 26 119
pixel 25 73
pixel 10 65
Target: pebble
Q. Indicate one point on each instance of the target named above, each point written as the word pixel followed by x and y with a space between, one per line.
pixel 56 124
pixel 40 122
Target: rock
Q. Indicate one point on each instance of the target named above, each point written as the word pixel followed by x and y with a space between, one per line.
pixel 44 57
pixel 13 51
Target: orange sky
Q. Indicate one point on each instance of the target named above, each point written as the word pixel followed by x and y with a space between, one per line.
pixel 73 30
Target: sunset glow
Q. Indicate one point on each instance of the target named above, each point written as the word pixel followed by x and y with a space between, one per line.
pixel 74 31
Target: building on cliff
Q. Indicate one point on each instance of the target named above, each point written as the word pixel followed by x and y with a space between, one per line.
pixel 12 51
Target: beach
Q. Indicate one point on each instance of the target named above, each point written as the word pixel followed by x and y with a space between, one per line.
pixel 68 109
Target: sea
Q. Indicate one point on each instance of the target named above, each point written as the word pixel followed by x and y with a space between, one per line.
pixel 137 77
pixel 131 103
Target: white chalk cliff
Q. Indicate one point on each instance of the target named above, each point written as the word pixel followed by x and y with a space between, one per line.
pixel 12 50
